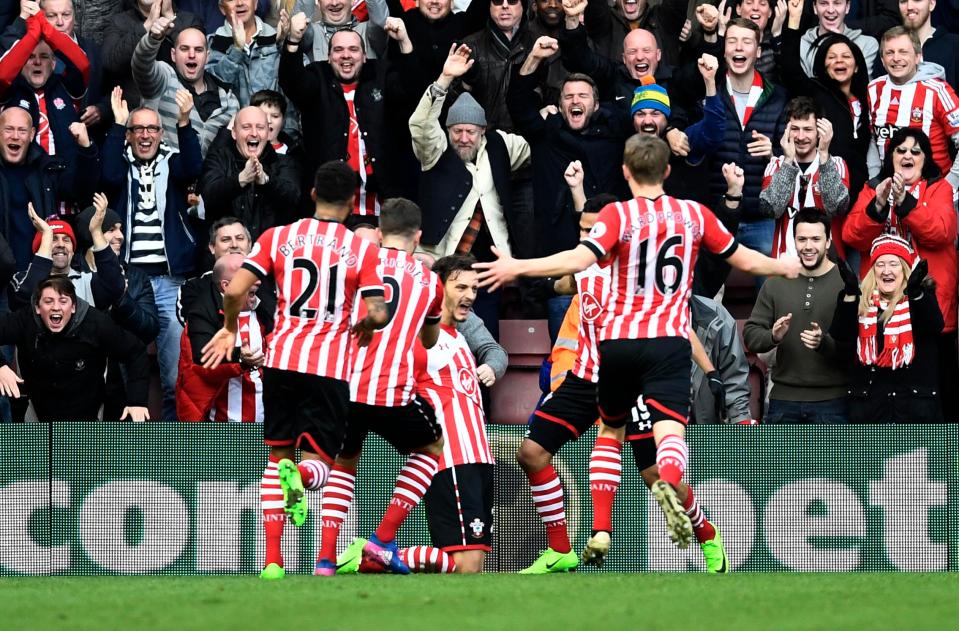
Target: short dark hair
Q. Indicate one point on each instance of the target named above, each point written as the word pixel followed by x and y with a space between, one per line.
pixel 269 97
pixel 227 221
pixel 585 78
pixel 930 170
pixel 335 182
pixel 60 284
pixel 329 43
pixel 801 108
pixel 597 202
pixel 399 216
pixel 811 214
pixel 748 24
pixel 447 266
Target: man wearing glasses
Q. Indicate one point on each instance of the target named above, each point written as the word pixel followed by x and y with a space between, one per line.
pixel 147 181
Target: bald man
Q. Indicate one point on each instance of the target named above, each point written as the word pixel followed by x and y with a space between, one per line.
pixel 247 179
pixel 29 175
pixel 616 79
pixel 204 394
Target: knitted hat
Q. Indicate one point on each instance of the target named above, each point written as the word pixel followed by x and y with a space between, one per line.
pixel 85 239
pixel 891 244
pixel 466 111
pixel 650 96
pixel 59 227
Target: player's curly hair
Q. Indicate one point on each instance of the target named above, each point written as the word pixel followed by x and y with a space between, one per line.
pixel 448 266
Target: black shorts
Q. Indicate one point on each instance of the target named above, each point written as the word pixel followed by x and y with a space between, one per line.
pixel 656 368
pixel 304 411
pixel 459 508
pixel 564 414
pixel 406 427
pixel 639 434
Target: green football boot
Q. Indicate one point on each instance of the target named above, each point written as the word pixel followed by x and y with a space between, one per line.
pixel 551 561
pixel 678 526
pixel 596 549
pixel 715 553
pixel 349 561
pixel 294 496
pixel 272 572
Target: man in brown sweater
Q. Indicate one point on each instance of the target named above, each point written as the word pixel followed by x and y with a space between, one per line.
pixel 793 316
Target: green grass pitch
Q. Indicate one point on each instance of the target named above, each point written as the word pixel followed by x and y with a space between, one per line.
pixel 905 602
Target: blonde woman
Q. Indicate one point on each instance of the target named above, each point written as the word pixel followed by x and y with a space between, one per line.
pixel 895 321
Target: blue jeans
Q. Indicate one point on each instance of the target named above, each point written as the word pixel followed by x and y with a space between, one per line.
pixel 165 292
pixel 556 308
pixel 757 235
pixel 830 411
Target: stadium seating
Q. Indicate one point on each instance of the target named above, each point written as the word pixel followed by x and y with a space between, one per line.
pixel 514 397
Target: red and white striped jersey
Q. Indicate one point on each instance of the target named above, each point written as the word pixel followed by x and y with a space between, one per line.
pixel 365 202
pixel 654 244
pixel 241 398
pixel 383 370
pixel 927 104
pixel 320 268
pixel 592 284
pixel 446 377
pixel 807 185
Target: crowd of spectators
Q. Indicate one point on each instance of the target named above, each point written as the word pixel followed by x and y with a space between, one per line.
pixel 145 145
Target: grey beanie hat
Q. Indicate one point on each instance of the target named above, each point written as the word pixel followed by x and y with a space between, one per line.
pixel 466 111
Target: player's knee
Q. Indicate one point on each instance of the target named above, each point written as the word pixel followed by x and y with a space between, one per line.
pixel 435 448
pixel 347 462
pixel 532 457
pixel 469 562
pixel 280 453
pixel 617 433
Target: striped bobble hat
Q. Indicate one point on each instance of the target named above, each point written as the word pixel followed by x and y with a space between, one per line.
pixel 650 96
pixel 891 244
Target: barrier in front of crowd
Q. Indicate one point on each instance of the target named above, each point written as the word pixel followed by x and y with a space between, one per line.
pixel 183 499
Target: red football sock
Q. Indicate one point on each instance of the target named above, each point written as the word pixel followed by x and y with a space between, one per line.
pixel 337 497
pixel 703 530
pixel 547 493
pixel 426 559
pixel 411 485
pixel 605 472
pixel 274 517
pixel 671 456
pixel 313 473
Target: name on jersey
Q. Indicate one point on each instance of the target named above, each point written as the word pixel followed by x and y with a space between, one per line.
pixel 409 267
pixel 318 240
pixel 662 217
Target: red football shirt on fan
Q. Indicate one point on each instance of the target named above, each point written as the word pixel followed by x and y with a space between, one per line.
pixel 241 397
pixel 592 284
pixel 383 370
pixel 366 203
pixel 654 244
pixel 928 104
pixel 320 268
pixel 446 377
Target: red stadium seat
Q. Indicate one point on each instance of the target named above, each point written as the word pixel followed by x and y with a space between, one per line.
pixel 526 341
pixel 514 397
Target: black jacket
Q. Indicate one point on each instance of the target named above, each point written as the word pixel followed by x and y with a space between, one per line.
pixel 49 179
pixel 258 207
pixel 943 48
pixel 488 79
pixel 553 146
pixel 106 284
pixel 848 143
pixel 768 118
pixel 906 395
pixel 136 310
pixel 63 372
pixel 316 92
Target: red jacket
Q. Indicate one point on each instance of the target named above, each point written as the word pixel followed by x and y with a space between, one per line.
pixel 930 222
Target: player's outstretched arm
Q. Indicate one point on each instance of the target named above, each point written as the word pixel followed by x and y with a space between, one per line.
pixel 506 269
pixel 752 262
pixel 224 341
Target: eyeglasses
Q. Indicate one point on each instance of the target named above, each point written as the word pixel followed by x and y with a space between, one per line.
pixel 916 151
pixel 144 129
pixel 497 3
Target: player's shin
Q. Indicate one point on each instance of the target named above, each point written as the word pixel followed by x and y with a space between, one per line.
pixel 274 517
pixel 426 559
pixel 337 498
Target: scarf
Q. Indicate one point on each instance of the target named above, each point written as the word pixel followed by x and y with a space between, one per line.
pixel 898 349
pixel 893 225
pixel 755 92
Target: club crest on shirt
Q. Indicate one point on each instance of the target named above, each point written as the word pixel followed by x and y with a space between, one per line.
pixel 916 115
pixel 477 526
pixel 377 95
pixel 58 103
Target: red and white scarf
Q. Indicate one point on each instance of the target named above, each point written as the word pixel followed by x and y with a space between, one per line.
pixel 755 92
pixel 898 349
